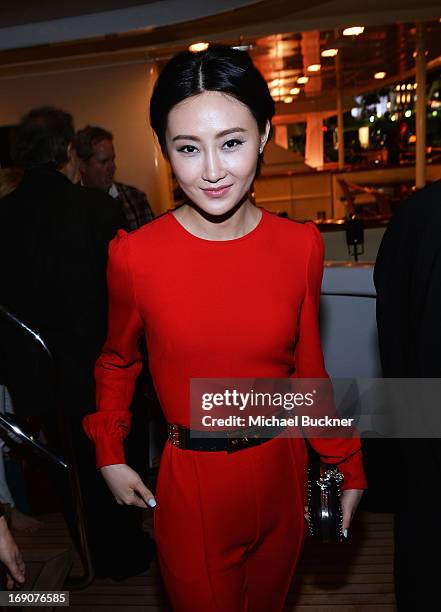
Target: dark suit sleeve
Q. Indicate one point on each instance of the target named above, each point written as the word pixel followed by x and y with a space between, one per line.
pixel 407 279
pixel 94 220
pixel 392 278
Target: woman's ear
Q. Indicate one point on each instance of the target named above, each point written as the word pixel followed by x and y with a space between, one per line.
pixel 264 137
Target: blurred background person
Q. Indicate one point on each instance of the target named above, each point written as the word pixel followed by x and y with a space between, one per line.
pixel 53 258
pixel 407 279
pixel 94 146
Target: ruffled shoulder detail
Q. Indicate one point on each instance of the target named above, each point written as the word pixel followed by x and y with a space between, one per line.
pixel 120 239
pixel 316 236
pixel 120 235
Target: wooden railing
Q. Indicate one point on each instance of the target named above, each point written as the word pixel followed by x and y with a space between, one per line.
pixel 318 194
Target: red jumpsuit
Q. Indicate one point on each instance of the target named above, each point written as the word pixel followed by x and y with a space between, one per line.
pixel 229 527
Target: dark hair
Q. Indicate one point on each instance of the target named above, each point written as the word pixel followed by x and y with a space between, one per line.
pixel 87 138
pixel 218 68
pixel 42 138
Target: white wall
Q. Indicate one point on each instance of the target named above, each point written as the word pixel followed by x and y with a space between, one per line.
pixel 115 97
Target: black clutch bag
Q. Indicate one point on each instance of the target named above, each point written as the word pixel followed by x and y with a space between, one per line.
pixel 325 515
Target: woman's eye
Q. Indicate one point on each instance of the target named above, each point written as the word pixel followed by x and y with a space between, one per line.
pixel 233 143
pixel 187 149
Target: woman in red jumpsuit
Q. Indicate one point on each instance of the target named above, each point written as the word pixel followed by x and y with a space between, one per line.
pixel 220 289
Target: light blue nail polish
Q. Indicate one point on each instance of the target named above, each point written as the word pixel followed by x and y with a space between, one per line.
pixel 152 502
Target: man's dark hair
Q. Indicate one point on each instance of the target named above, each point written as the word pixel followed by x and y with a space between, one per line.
pixel 42 138
pixel 87 138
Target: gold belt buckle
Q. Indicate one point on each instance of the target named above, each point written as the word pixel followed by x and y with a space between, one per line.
pixel 236 444
pixel 173 434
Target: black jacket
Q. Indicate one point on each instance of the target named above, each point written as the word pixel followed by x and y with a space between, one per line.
pixel 407 277
pixel 53 251
pixel 408 281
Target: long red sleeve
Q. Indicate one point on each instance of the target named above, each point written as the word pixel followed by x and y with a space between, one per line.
pixel 309 364
pixel 120 362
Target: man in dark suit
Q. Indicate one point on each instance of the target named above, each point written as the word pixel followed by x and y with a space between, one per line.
pixel 408 282
pixel 53 255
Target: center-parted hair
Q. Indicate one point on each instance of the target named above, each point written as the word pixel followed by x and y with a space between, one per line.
pixel 218 68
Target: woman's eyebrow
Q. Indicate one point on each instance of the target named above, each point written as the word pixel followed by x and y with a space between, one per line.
pixel 230 131
pixel 233 130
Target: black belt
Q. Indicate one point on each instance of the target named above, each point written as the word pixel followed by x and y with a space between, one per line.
pixel 235 440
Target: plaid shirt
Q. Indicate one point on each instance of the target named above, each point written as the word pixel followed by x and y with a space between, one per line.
pixel 136 207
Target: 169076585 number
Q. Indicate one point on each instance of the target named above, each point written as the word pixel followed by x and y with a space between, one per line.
pixel 34 598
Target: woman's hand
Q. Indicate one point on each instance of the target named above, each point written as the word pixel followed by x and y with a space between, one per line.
pixel 126 486
pixel 349 502
pixel 10 556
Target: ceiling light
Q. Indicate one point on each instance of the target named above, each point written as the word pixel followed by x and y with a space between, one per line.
pixel 408 113
pixel 287 99
pixel 278 82
pixel 314 68
pixel 329 52
pixel 379 75
pixel 199 46
pixel 294 91
pixel 353 31
pixel 302 80
pixel 278 92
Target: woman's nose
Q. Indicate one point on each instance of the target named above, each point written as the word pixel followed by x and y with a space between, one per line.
pixel 213 170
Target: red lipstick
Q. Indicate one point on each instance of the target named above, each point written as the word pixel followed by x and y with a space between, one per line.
pixel 217 192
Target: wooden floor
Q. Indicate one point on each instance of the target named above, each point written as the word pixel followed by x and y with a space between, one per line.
pixel 354 576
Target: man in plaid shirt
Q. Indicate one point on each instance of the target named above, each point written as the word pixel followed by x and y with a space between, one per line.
pixel 94 147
